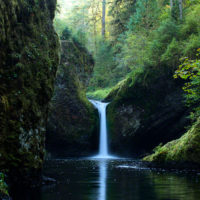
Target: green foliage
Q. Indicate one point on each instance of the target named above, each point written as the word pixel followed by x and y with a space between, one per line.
pixel 132 54
pixel 146 34
pixel 191 45
pixel 3 186
pixel 142 34
pixel 99 94
pixel 103 75
pixel 189 70
pixel 172 54
pixel 145 15
pixel 60 25
pixel 161 38
pixel 65 34
pixel 175 10
pixel 120 10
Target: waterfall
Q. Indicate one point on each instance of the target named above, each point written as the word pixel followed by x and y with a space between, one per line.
pixel 103 141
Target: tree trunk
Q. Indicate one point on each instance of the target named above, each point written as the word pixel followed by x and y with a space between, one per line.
pixel 103 18
pixel 181 9
pixel 171 4
pixel 95 38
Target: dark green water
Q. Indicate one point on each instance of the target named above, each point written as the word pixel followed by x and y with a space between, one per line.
pixel 114 180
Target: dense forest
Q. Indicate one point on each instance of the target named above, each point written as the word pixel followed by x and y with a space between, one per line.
pixel 137 35
pixel 60 58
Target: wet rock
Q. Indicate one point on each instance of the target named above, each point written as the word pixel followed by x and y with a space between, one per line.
pixel 72 128
pixel 47 180
pixel 146 110
pixel 29 59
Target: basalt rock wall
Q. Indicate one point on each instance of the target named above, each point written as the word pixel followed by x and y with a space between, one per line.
pixel 73 121
pixel 29 56
pixel 146 110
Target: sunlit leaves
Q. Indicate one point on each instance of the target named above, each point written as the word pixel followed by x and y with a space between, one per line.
pixel 189 70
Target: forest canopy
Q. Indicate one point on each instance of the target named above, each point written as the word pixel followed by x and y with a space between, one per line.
pixel 138 35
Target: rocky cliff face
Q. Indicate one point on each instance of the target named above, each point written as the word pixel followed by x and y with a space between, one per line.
pixel 146 110
pixel 72 124
pixel 28 63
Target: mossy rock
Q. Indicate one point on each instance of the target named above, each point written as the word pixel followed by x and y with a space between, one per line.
pixel 186 149
pixel 29 54
pixel 73 122
pixel 146 109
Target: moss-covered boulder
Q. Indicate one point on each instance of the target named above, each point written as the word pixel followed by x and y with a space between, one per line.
pixel 180 152
pixel 28 63
pixel 146 109
pixel 73 122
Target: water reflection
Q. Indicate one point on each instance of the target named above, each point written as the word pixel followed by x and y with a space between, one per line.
pixel 102 179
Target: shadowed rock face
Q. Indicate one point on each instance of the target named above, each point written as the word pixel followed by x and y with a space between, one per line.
pixel 145 112
pixel 73 121
pixel 28 62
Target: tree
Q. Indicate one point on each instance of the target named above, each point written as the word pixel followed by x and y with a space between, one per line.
pixel 95 17
pixel 177 6
pixel 189 70
pixel 120 10
pixel 145 15
pixel 171 4
pixel 181 9
pixel 103 18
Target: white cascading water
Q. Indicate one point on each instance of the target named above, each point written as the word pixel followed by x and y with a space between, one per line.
pixel 103 149
pixel 103 146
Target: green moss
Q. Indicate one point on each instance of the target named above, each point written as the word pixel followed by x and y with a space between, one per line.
pixel 142 106
pixel 185 149
pixel 3 186
pixel 29 55
pixel 72 124
pixel 99 94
